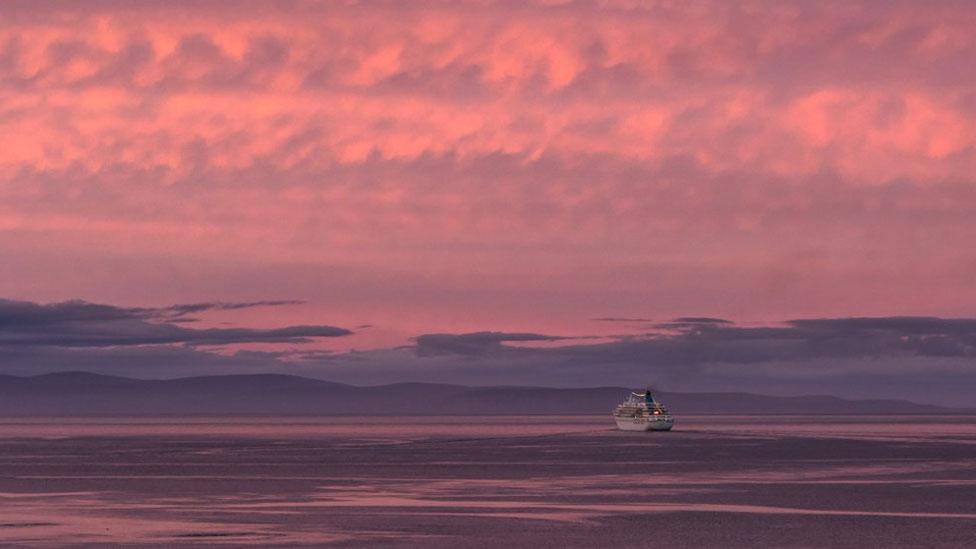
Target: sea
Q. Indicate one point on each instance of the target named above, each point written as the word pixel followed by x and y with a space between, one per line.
pixel 489 481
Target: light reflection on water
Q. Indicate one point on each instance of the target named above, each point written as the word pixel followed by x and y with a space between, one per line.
pixel 915 427
pixel 422 480
pixel 85 521
pixel 378 428
pixel 398 428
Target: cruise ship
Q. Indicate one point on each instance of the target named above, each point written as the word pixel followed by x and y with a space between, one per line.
pixel 640 412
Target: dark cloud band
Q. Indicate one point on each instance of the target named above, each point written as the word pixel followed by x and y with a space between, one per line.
pixel 82 324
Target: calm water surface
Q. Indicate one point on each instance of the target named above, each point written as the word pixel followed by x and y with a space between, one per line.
pixel 484 481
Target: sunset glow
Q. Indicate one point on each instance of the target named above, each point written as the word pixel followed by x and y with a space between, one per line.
pixel 512 167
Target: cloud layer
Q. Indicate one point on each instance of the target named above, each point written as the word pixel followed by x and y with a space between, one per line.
pixel 927 359
pixel 455 167
pixel 75 324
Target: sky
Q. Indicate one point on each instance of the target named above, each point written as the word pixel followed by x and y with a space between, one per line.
pixel 764 196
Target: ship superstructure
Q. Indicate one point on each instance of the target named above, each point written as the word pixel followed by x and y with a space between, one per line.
pixel 640 412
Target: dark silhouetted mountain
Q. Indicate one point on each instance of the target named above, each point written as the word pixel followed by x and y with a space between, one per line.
pixel 87 394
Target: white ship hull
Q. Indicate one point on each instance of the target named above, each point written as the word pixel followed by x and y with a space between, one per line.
pixel 640 412
pixel 652 423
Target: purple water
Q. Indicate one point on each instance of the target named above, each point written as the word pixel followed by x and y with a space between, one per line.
pixel 488 481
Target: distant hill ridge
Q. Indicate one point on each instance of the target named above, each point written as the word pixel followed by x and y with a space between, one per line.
pixel 84 393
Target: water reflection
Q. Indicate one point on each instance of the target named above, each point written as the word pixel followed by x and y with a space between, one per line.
pixel 527 480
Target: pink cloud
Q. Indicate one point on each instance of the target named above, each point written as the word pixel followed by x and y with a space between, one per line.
pixel 778 148
pixel 440 79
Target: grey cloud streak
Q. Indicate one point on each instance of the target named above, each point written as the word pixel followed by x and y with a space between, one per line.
pixel 190 308
pixel 82 324
pixel 691 341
